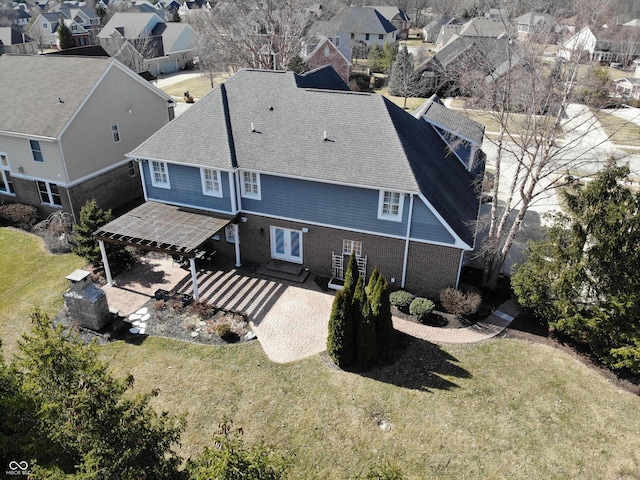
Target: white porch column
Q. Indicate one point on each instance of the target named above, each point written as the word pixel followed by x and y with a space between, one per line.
pixel 105 262
pixel 194 279
pixel 236 237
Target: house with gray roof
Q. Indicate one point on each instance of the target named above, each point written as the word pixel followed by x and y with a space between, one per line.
pixel 65 144
pixel 145 42
pixel 13 41
pixel 304 171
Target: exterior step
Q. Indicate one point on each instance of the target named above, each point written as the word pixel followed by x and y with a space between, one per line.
pixel 284 271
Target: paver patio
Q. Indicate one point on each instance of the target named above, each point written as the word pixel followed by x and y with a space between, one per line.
pixel 289 319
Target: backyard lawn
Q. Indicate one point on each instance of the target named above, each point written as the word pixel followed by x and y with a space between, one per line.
pixel 621 132
pixel 504 408
pixel 198 87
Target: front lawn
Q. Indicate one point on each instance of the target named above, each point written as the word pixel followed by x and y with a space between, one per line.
pixel 620 131
pixel 501 409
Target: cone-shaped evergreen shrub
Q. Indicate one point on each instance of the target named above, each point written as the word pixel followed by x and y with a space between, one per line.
pixel 366 343
pixel 340 341
pixel 384 322
pixel 351 275
pixel 373 279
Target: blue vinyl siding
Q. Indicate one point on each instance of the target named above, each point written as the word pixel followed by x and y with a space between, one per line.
pixel 425 225
pixel 329 204
pixel 186 188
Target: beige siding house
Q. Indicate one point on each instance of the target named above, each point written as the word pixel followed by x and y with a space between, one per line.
pixel 66 143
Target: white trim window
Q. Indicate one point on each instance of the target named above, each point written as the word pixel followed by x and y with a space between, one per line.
pixel 211 182
pixel 349 246
pixel 250 185
pixel 49 193
pixel 116 133
pixel 390 206
pixel 230 233
pixel 36 151
pixel 159 174
pixel 6 185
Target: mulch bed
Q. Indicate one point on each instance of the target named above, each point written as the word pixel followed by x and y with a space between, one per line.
pixel 194 323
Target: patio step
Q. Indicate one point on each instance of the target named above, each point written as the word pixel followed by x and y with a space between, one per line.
pixel 284 270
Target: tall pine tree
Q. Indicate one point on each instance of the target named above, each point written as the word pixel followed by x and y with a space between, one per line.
pixel 65 37
pixel 341 341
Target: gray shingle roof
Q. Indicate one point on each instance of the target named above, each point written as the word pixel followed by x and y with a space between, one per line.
pixel 35 110
pixel 453 122
pixel 364 20
pixel 133 23
pixel 370 141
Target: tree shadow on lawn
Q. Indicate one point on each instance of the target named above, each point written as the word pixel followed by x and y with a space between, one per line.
pixel 418 365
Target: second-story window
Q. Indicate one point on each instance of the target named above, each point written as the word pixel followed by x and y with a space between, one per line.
pixel 381 36
pixel 390 205
pixel 116 133
pixel 251 185
pixel 211 182
pixel 159 175
pixel 36 153
pixel 366 37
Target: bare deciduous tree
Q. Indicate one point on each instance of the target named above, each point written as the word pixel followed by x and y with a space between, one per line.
pixel 263 35
pixel 535 144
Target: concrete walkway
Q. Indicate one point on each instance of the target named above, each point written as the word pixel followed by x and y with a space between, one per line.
pixel 289 319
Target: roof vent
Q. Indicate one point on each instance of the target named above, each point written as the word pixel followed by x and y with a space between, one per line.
pixel 325 138
pixel 270 108
pixel 60 100
pixel 253 129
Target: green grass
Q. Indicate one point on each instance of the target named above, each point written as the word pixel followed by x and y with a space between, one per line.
pixel 412 102
pixel 621 131
pixel 502 409
pixel 198 87
pixel 29 277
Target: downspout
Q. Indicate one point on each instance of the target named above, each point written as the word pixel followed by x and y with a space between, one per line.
pixel 66 173
pixel 232 193
pixel 460 268
pixel 406 243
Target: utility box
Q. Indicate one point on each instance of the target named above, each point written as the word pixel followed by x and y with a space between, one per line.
pixel 86 302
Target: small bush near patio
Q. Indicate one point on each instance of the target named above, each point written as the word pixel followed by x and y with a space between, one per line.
pixel 56 232
pixel 401 299
pixel 421 308
pixel 460 303
pixel 18 215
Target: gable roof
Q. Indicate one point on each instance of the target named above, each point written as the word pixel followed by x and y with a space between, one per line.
pixel 129 24
pixel 11 36
pixel 483 27
pixel 364 20
pixel 390 13
pixel 38 111
pixel 290 121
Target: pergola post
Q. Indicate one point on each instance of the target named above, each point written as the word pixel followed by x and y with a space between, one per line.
pixel 105 262
pixel 236 237
pixel 194 279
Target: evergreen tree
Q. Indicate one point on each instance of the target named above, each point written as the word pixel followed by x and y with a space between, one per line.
pixel 401 82
pixel 65 37
pixel 373 279
pixel 584 279
pixel 381 310
pixel 232 460
pixel 297 65
pixel 374 57
pixel 387 58
pixel 340 340
pixel 89 421
pixel 366 342
pixel 91 219
pixel 351 275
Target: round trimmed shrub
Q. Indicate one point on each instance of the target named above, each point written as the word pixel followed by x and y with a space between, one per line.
pixel 421 307
pixel 401 299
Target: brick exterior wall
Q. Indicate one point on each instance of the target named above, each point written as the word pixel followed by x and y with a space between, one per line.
pixel 112 189
pixel 335 59
pixel 429 268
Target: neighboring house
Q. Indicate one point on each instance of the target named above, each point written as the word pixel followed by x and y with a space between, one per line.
pixel 83 22
pixel 627 87
pixel 463 135
pixel 18 16
pixel 605 45
pixel 398 19
pixel 145 42
pixel 358 29
pixel 440 74
pixel 535 23
pixel 317 52
pixel 14 42
pixel 477 27
pixel 333 30
pixel 299 169
pixel 65 144
pixel 431 31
